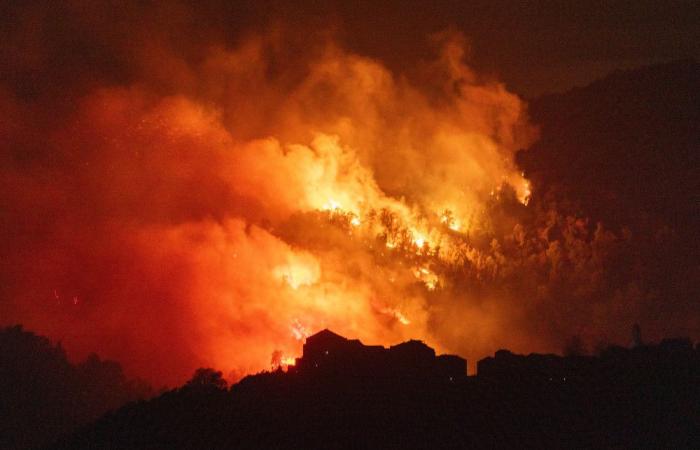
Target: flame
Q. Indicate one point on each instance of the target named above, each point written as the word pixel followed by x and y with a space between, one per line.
pixel 449 221
pixel 418 240
pixel 298 272
pixel 226 197
pixel 331 205
pixel 426 276
pixel 281 360
pixel 264 209
pixel 288 361
pixel 299 331
pixel 396 314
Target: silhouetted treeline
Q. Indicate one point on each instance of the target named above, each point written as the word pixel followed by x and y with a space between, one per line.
pixel 43 395
pixel 644 397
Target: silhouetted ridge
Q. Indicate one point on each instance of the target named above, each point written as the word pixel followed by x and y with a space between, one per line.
pixel 343 394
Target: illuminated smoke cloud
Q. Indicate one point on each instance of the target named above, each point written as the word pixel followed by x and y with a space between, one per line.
pixel 215 205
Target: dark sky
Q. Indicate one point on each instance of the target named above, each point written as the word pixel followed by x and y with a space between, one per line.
pixel 534 46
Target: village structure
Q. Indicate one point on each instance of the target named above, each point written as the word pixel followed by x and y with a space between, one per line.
pixel 329 353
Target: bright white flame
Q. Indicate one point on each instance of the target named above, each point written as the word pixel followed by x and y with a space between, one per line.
pixel 418 239
pixel 331 205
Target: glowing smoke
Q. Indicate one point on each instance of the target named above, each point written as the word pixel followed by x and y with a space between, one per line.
pixel 214 210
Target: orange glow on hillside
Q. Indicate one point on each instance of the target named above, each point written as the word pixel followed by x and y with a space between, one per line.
pixel 252 212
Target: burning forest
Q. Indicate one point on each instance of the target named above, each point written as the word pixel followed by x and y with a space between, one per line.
pixel 176 197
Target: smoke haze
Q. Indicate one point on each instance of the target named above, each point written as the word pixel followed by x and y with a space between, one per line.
pixel 176 195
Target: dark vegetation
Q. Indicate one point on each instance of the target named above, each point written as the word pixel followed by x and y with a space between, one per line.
pixel 625 151
pixel 43 395
pixel 644 397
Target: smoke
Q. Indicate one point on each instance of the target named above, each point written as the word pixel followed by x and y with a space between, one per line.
pixel 197 200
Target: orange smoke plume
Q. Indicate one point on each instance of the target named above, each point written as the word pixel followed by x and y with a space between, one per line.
pixel 216 204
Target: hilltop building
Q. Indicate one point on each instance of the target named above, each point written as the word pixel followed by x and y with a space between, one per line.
pixel 331 354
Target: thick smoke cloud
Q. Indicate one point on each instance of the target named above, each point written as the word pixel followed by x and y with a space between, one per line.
pixel 176 195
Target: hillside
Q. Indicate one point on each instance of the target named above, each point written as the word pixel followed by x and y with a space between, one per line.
pixel 337 398
pixel 624 149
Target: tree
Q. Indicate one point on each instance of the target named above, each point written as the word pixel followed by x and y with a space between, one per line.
pixel 205 378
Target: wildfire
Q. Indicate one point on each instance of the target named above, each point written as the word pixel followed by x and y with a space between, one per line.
pixel 449 221
pixel 331 205
pixel 264 209
pixel 298 272
pixel 299 331
pixel 396 314
pixel 288 361
pixel 280 360
pixel 419 241
pixel 427 277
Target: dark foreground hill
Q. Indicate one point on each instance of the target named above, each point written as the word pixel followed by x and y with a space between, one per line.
pixel 645 397
pixel 43 395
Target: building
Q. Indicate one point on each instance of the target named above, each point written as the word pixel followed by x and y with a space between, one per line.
pixel 328 353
